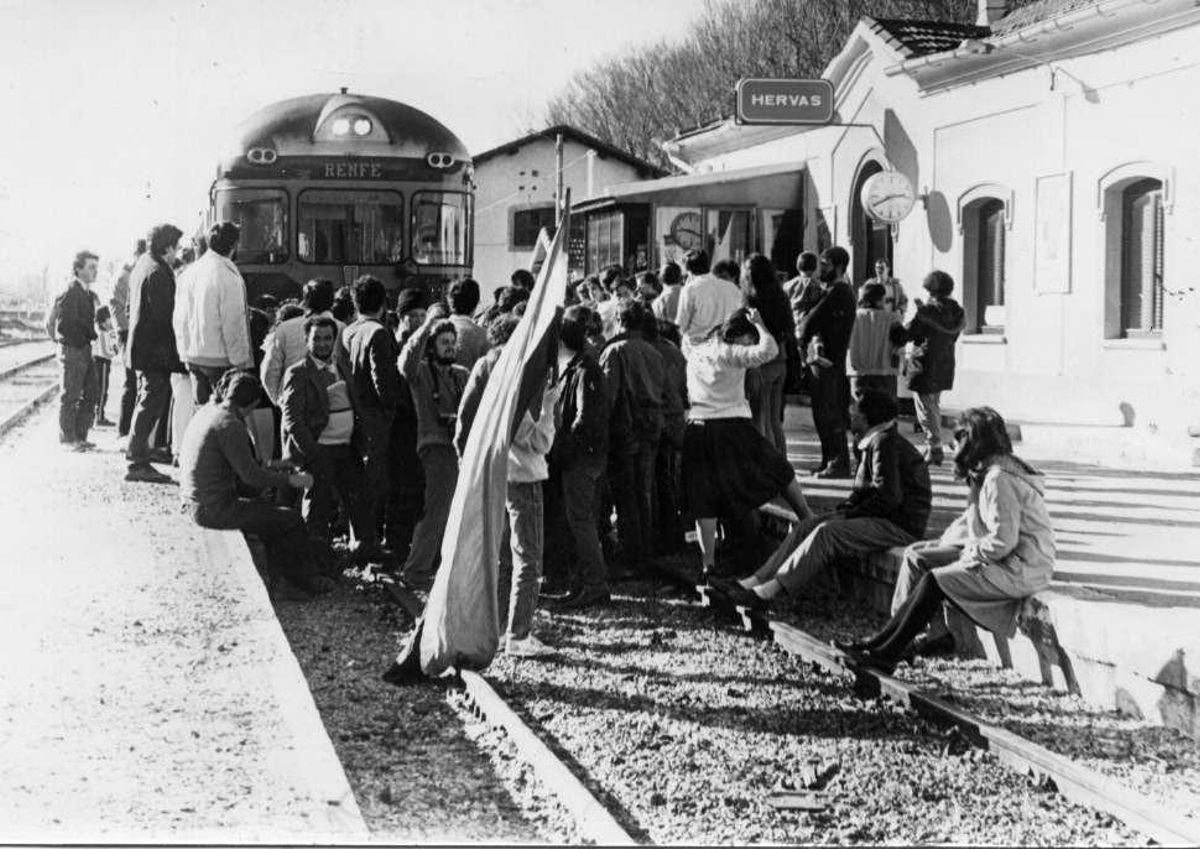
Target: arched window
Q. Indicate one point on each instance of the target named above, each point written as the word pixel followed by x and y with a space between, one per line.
pixel 984 231
pixel 1142 258
pixel 1135 200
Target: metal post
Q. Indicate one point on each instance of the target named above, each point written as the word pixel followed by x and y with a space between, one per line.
pixel 558 180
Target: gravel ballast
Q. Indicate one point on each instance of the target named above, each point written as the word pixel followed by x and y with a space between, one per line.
pixel 422 769
pixel 1161 763
pixel 692 727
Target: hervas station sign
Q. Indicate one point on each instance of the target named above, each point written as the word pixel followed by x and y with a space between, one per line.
pixel 762 101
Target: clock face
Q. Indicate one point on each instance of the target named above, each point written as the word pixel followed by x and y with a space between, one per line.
pixel 685 230
pixel 888 196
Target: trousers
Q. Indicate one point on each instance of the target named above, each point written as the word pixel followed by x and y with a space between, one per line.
pixel 631 470
pixel 337 471
pixel 831 412
pixel 406 478
pixel 103 370
pixel 154 398
pixel 817 543
pixel 928 406
pixel 668 464
pixel 441 474
pixel 204 380
pixel 571 497
pixel 77 404
pixel 280 528
pixel 525 524
pixel 128 392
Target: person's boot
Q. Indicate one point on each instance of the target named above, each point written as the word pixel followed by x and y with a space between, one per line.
pixel 837 470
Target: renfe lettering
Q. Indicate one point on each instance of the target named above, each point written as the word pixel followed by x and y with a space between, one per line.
pixel 353 170
pixel 785 100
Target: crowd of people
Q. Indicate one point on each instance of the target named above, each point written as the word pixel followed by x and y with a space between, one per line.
pixel 348 412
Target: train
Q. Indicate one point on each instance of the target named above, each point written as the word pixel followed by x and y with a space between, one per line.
pixel 339 185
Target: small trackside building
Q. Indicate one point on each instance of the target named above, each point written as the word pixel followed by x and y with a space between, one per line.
pixel 1052 157
pixel 515 186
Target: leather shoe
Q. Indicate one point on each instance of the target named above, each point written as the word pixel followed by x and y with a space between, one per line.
pixel 853 646
pixel 834 471
pixel 161 455
pixel 584 599
pixel 940 646
pixel 874 660
pixel 147 474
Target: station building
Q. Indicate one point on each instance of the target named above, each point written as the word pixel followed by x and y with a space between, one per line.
pixel 515 186
pixel 1050 152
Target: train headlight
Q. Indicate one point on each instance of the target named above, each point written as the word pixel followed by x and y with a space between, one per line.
pixel 440 160
pixel 362 126
pixel 261 155
pixel 341 127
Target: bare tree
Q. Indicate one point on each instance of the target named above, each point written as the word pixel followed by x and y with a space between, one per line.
pixel 653 92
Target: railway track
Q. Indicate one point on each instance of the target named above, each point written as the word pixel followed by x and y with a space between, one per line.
pixel 1075 782
pixel 602 822
pixel 26 382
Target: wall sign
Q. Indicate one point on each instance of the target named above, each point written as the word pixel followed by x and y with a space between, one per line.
pixel 764 101
pixel 1052 235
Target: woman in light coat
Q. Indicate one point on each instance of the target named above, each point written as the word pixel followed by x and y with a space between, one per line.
pixel 996 554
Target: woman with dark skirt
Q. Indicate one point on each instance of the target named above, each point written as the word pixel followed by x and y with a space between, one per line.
pixel 1004 545
pixel 729 468
pixel 764 292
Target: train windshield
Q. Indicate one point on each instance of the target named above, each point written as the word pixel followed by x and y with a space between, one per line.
pixel 350 227
pixel 261 215
pixel 440 224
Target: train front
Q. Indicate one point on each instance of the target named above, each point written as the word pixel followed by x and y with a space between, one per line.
pixel 338 185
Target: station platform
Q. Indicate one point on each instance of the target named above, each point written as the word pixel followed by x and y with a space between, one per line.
pixel 1120 624
pixel 147 692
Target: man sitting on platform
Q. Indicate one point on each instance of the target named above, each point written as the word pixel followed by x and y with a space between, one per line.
pixel 216 462
pixel 889 506
pixel 318 429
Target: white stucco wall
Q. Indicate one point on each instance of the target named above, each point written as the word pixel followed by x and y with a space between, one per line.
pixel 507 182
pixel 1136 103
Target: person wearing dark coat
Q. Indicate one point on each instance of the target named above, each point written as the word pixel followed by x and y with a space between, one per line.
pixel 636 381
pixel 889 506
pixel 152 350
pixel 933 332
pixel 375 385
pixel 72 324
pixel 577 461
pixel 824 338
pixel 319 420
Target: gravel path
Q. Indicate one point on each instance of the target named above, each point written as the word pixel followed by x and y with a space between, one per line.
pixel 691 727
pixel 147 694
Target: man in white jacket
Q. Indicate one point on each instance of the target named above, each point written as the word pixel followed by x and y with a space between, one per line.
pixel 211 322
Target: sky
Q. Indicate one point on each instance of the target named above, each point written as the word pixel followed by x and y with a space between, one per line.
pixel 114 111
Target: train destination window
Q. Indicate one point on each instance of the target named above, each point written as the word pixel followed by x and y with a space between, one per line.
pixel 350 227
pixel 262 217
pixel 440 223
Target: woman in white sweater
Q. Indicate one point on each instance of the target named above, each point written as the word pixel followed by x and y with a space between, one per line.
pixel 729 468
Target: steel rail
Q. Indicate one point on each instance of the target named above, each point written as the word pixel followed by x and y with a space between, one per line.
pixel 1074 781
pixel 28 407
pixel 592 819
pixel 13 371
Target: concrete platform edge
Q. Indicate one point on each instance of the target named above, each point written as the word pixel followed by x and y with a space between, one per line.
pixel 342 820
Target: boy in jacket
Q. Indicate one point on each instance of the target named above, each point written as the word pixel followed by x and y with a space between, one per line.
pixel 889 506
pixel 71 323
pixel 578 459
